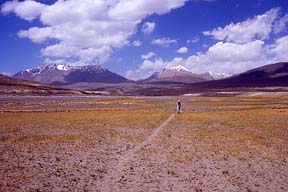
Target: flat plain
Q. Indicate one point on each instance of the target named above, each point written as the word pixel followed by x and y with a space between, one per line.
pixel 228 143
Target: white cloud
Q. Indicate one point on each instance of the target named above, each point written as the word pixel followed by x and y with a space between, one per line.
pixel 155 65
pixel 194 40
pixel 228 57
pixel 177 60
pixel 149 66
pixel 36 34
pixel 242 48
pixel 48 61
pixel 27 10
pixel 148 55
pixel 236 52
pixel 146 69
pixel 258 27
pixel 278 51
pixel 148 27
pixel 182 50
pixel 98 55
pixel 85 30
pixel 137 43
pixel 5 73
pixel 281 24
pixel 130 74
pixel 231 58
pixel 136 10
pixel 163 42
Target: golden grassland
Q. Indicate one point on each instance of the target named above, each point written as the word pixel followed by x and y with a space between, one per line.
pixel 39 124
pixel 238 127
pixel 215 143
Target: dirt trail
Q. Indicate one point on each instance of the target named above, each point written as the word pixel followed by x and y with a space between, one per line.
pixel 116 170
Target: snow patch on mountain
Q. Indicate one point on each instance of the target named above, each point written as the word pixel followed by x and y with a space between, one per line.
pixel 180 68
pixel 217 76
pixel 62 68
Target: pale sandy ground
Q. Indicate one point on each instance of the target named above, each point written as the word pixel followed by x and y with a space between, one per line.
pixel 216 144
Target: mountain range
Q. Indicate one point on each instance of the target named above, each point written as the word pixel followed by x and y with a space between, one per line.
pixel 95 79
pixel 180 74
pixel 59 74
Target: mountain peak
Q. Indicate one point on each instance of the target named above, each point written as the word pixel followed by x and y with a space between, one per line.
pixel 176 74
pixel 179 68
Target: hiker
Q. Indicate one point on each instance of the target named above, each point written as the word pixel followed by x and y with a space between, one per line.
pixel 178 106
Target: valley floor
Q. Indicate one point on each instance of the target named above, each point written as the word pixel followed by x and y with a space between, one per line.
pixel 140 144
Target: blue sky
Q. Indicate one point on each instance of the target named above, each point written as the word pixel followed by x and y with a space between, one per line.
pixel 137 38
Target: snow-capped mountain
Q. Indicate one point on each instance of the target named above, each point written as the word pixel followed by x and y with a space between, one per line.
pixel 214 75
pixel 61 74
pixel 174 72
pixel 58 74
pixel 179 68
pixel 180 74
pixel 217 76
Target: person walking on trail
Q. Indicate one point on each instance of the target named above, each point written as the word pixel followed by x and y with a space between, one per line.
pixel 178 106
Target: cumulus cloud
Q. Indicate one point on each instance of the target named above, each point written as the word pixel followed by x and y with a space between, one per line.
pixel 138 9
pixel 150 66
pixel 238 51
pixel 86 55
pixel 27 10
pixel 278 51
pixel 182 50
pixel 148 55
pixel 258 27
pixel 85 30
pixel 148 27
pixel 228 57
pixel 163 42
pixel 137 43
pixel 70 62
pixel 36 34
pixel 158 64
pixel 146 69
pixel 281 24
pixel 225 57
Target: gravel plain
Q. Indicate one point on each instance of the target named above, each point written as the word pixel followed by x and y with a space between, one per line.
pixel 140 144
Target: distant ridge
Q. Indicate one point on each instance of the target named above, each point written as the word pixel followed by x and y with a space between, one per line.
pixel 269 75
pixel 14 86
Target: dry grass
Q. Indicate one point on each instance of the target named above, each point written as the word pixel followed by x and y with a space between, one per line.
pixel 44 139
pixel 218 143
